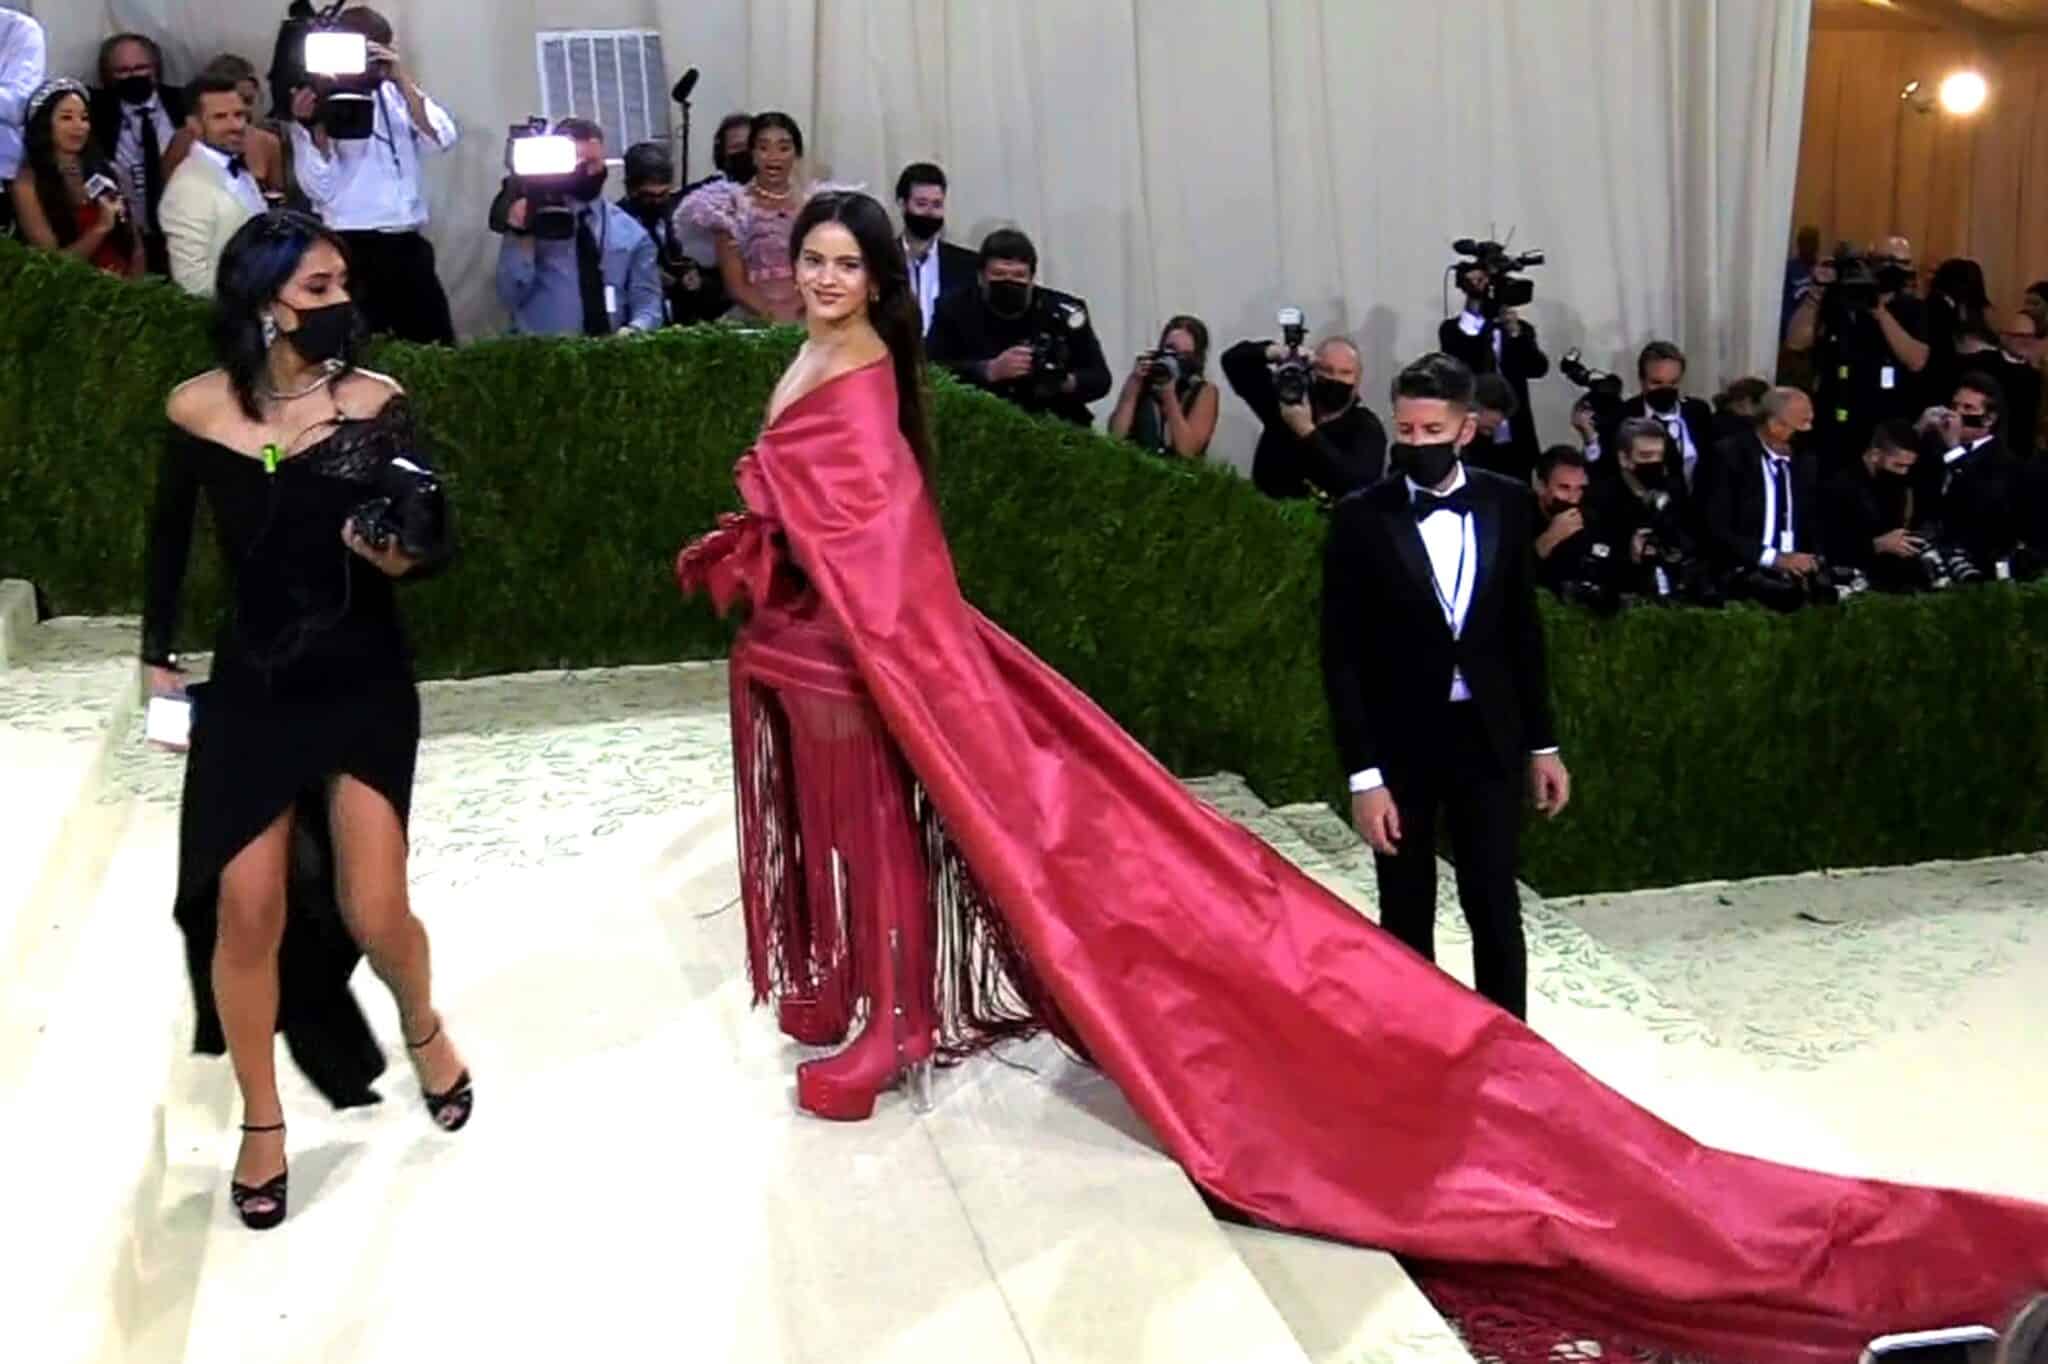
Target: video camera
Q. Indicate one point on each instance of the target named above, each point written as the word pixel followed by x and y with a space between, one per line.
pixel 1505 287
pixel 1859 282
pixel 1292 376
pixel 541 169
pixel 1057 322
pixel 313 50
pixel 1603 390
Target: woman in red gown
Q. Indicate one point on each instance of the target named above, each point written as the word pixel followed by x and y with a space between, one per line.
pixel 935 824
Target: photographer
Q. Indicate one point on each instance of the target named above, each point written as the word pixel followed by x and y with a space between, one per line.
pixel 1561 545
pixel 1756 495
pixel 1868 336
pixel 690 292
pixel 1317 437
pixel 602 280
pixel 1495 340
pixel 1643 515
pixel 1688 422
pixel 1978 491
pixel 1025 343
pixel 1869 520
pixel 369 189
pixel 1166 406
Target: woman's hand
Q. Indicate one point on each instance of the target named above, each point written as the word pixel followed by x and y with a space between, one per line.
pixel 1136 379
pixel 162 681
pixel 392 560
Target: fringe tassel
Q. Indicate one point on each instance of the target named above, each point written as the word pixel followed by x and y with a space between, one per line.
pixel 1505 1328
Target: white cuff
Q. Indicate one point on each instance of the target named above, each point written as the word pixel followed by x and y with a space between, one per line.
pixel 1543 752
pixel 1368 780
pixel 1770 556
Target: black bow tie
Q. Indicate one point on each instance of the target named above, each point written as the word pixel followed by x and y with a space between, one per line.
pixel 1427 503
pixel 237 168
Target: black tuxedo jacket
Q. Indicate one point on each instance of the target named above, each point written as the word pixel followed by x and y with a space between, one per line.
pixel 1698 417
pixel 1388 653
pixel 1981 501
pixel 959 268
pixel 1729 493
pixel 1521 360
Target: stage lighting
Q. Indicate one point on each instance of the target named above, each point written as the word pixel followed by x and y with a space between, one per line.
pixel 1963 93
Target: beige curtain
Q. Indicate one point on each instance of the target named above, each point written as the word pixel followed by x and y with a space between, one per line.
pixel 1974 187
pixel 1219 157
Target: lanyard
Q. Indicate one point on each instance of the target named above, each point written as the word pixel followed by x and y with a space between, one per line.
pixel 1450 603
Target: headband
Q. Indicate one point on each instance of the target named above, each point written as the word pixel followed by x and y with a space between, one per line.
pixel 51 89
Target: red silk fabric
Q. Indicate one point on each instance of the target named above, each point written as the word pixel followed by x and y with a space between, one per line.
pixel 1301 1065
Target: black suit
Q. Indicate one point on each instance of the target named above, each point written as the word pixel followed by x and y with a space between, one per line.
pixel 1338 456
pixel 1388 659
pixel 959 269
pixel 1699 424
pixel 1857 507
pixel 966 334
pixel 1520 360
pixel 1982 502
pixel 1729 492
pixel 107 114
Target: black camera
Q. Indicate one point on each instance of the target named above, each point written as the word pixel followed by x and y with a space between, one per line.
pixel 1505 287
pixel 1594 585
pixel 1603 390
pixel 1163 367
pixel 312 50
pixel 1678 574
pixel 409 510
pixel 1059 322
pixel 541 169
pixel 1293 375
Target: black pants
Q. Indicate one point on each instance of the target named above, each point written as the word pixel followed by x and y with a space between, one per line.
pixel 1481 809
pixel 392 279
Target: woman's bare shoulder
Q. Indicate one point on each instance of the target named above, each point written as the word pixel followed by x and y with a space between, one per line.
pixel 363 393
pixel 200 404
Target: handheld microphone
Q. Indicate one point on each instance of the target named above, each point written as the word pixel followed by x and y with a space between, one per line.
pixel 100 187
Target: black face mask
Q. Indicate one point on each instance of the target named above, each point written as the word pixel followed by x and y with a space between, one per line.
pixel 325 334
pixel 1978 422
pixel 739 167
pixel 923 226
pixel 589 184
pixel 1891 478
pixel 645 211
pixel 1425 465
pixel 1007 298
pixel 1662 400
pixel 1331 396
pixel 1649 475
pixel 135 89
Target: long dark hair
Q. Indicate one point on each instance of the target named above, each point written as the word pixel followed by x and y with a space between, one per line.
pixel 39 146
pixel 1198 332
pixel 894 314
pixel 259 261
pixel 1958 285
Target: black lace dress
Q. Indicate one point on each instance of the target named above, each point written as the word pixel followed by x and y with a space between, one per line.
pixel 311 680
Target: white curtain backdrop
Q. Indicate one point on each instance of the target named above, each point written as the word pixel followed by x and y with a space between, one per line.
pixel 1219 157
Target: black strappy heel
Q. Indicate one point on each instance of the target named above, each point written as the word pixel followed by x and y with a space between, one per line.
pixel 450 1109
pixel 272 1193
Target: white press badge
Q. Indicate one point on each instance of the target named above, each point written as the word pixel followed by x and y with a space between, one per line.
pixel 611 304
pixel 1888 378
pixel 1784 542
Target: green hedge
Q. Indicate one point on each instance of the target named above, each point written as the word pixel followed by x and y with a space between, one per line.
pixel 1704 744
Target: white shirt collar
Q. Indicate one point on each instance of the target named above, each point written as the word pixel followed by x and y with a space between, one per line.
pixel 218 157
pixel 1458 481
pixel 1471 321
pixel 153 105
pixel 1963 451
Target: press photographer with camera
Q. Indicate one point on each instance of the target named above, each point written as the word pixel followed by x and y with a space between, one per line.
pixel 1688 422
pixel 1981 497
pixel 1867 332
pixel 598 279
pixel 1562 478
pixel 1021 341
pixel 358 136
pixel 1871 517
pixel 1317 437
pixel 1491 337
pixel 1645 524
pixel 1166 405
pixel 1757 494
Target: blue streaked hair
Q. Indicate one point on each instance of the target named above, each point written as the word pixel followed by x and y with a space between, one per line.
pixel 259 261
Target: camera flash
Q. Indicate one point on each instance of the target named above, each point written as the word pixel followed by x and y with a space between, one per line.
pixel 543 156
pixel 337 54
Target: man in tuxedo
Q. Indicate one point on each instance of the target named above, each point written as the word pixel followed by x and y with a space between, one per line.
pixel 937 267
pixel 1433 661
pixel 1688 422
pixel 1757 495
pixel 1870 517
pixel 212 193
pixel 1490 342
pixel 134 118
pixel 1980 494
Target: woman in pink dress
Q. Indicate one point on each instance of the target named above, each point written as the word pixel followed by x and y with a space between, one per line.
pixel 943 842
pixel 751 222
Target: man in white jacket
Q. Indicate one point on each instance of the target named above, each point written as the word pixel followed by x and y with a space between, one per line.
pixel 212 194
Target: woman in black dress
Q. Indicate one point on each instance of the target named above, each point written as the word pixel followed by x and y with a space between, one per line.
pixel 292 840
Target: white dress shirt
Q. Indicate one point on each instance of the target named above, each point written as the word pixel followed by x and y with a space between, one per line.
pixel 1778 528
pixel 924 278
pixel 1681 436
pixel 241 183
pixel 1957 455
pixel 373 185
pixel 1452 543
pixel 128 151
pixel 23 63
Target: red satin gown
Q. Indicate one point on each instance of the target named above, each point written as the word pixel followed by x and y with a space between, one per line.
pixel 1304 1068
